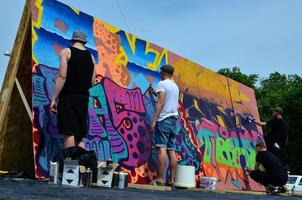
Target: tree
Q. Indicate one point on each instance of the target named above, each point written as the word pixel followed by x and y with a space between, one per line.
pixel 237 75
pixel 284 91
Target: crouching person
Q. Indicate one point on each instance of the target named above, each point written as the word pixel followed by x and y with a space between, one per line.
pixel 269 170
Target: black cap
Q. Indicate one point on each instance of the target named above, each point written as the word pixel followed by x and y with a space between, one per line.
pixel 168 69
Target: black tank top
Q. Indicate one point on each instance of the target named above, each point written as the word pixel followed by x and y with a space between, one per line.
pixel 79 72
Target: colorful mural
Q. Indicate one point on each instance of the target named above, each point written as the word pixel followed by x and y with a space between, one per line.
pixel 212 135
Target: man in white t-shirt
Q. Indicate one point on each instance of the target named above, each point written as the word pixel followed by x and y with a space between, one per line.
pixel 163 123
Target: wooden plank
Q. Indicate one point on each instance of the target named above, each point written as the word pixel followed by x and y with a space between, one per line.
pixel 15 58
pixel 245 192
pixel 149 187
pixel 205 190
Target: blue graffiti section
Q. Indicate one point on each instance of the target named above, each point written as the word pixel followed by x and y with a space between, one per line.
pixel 45 120
pixel 59 14
pixel 138 77
pixel 139 56
pixel 51 44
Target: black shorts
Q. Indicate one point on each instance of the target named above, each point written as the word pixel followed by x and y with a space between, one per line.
pixel 72 115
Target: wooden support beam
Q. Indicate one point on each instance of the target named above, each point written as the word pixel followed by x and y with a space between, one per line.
pixel 25 103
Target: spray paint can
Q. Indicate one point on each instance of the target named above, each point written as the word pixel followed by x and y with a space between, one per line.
pixel 82 175
pixel 115 180
pixel 87 178
pixel 54 172
pixel 126 180
pixel 121 182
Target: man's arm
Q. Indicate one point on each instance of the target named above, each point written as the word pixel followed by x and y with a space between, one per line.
pixel 159 108
pixel 151 91
pixel 64 56
pixel 256 166
pixel 94 72
pixel 282 141
pixel 248 170
pixel 259 123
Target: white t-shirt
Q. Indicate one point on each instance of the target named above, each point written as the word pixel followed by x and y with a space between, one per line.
pixel 171 98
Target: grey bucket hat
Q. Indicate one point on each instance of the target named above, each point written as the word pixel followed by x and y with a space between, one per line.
pixel 277 109
pixel 79 36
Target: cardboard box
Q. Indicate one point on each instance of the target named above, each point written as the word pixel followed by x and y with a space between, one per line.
pixel 105 174
pixel 71 173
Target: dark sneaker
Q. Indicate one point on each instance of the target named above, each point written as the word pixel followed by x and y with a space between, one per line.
pixel 171 184
pixel 271 190
pixel 282 189
pixel 89 160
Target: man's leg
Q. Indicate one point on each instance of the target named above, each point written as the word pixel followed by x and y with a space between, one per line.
pixel 79 143
pixel 171 147
pixel 160 140
pixel 161 161
pixel 260 177
pixel 69 141
pixel 173 161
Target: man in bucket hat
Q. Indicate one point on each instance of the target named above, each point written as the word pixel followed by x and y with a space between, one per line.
pixel 76 75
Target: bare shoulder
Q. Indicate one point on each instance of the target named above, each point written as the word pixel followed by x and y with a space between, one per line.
pixel 65 52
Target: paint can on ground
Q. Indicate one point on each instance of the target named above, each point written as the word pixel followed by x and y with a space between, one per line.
pixel 208 183
pixel 54 172
pixel 87 178
pixel 185 176
pixel 121 182
pixel 115 180
pixel 126 180
pixel 82 175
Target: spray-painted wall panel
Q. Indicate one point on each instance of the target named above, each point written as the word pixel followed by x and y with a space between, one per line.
pixel 212 133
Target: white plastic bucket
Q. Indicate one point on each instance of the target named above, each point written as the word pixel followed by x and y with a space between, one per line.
pixel 208 183
pixel 185 176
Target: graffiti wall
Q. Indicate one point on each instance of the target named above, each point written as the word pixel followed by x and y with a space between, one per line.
pixel 212 135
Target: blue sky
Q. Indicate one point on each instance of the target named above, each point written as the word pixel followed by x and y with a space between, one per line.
pixel 259 36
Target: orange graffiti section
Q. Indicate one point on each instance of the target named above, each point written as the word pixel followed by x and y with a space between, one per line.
pixel 112 60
